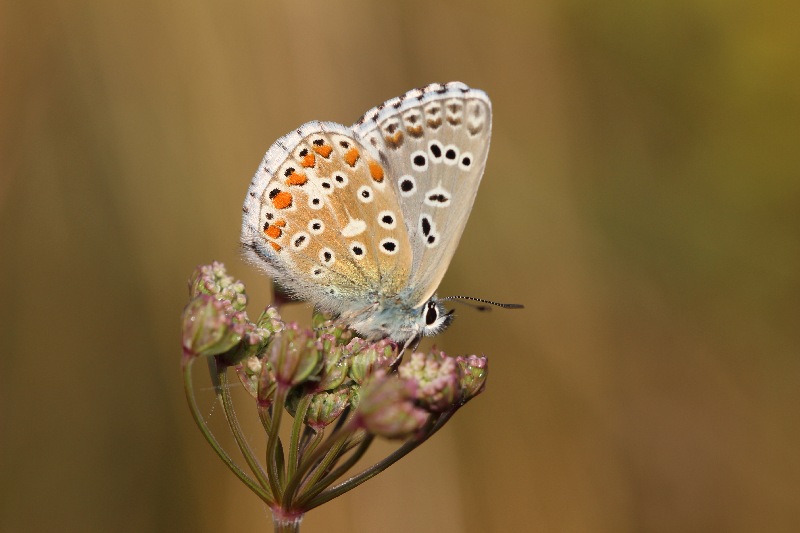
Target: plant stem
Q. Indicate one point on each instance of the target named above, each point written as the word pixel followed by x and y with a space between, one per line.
pixel 236 429
pixel 275 472
pixel 380 466
pixel 308 462
pixel 294 442
pixel 338 472
pixel 204 429
pixel 287 525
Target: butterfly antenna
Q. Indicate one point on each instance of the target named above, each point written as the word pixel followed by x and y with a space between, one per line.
pixel 483 305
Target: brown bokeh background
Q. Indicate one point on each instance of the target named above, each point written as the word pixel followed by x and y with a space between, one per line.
pixel 642 198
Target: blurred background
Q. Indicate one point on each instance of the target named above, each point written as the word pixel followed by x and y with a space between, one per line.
pixel 642 198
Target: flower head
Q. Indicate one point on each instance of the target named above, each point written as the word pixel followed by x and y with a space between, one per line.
pixel 326 407
pixel 473 371
pixel 295 355
pixel 368 358
pixel 386 406
pixel 214 280
pixel 436 376
pixel 213 327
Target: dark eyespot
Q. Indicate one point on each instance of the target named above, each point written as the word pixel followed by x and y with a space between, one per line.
pixel 304 152
pixel 466 161
pixel 344 144
pixel 298 241
pixel 273 193
pixel 426 226
pixel 327 256
pixel 326 185
pixel 389 246
pixel 339 178
pixel 316 226
pixel 431 239
pixel 406 185
pixel 270 216
pixel 357 250
pixel 419 160
pixel 365 193
pixel 319 142
pixel 450 154
pixel 315 201
pixel 288 172
pixel 387 219
pixel 436 150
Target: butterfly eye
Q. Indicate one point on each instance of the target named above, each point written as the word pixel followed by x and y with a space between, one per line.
pixel 431 314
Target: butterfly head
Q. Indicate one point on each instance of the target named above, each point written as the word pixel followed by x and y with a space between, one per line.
pixel 402 324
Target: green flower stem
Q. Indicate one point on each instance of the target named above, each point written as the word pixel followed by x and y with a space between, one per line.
pixel 275 472
pixel 309 460
pixel 236 429
pixel 315 440
pixel 380 466
pixel 265 417
pixel 323 466
pixel 297 426
pixel 204 429
pixel 363 446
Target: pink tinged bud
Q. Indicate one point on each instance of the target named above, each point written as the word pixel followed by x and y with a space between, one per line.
pixel 212 327
pixel 248 372
pixel 473 371
pixel 270 321
pixel 326 407
pixel 386 407
pixel 369 358
pixel 213 280
pixel 437 378
pixel 335 365
pixel 266 385
pixel 295 356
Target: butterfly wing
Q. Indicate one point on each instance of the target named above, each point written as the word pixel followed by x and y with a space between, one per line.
pixel 434 142
pixel 321 220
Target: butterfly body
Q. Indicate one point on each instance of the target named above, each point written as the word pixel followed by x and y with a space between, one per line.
pixel 362 221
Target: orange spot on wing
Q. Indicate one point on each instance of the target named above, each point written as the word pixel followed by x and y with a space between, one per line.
pixel 273 231
pixel 275 246
pixel 376 171
pixel 282 200
pixel 323 150
pixel 297 178
pixel 309 160
pixel 280 223
pixel 351 156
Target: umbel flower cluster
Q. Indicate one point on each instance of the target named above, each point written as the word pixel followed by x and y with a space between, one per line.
pixel 339 390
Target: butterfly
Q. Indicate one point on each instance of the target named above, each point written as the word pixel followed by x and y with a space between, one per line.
pixel 362 221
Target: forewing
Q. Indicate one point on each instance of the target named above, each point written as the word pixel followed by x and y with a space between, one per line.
pixel 321 219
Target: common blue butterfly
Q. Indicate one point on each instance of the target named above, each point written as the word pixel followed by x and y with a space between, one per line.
pixel 362 221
